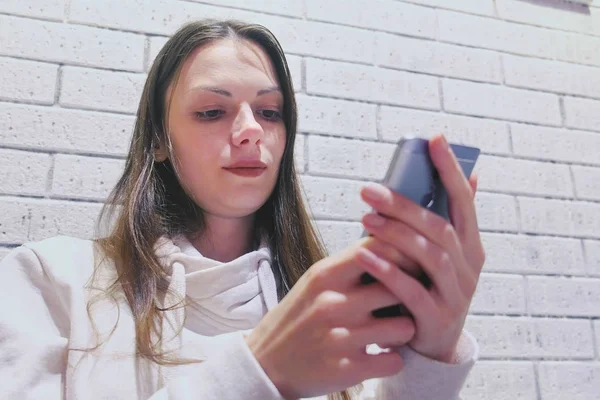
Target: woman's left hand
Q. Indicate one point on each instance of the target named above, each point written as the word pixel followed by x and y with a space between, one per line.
pixel 450 253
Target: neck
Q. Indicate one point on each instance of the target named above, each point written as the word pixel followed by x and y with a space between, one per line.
pixel 225 239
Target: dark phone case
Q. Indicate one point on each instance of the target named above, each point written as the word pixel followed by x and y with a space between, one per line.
pixel 412 174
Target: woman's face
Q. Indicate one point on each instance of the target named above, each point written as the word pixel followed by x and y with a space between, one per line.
pixel 226 128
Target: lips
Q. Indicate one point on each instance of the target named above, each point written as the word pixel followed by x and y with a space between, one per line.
pixel 247 168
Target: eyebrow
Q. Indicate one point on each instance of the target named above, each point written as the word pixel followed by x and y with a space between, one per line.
pixel 226 93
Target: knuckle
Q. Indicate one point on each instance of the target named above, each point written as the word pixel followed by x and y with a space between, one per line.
pixel 319 273
pixel 416 294
pixel 448 234
pixel 326 304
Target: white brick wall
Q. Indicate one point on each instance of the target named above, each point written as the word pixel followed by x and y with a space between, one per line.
pixel 519 79
pixel 502 337
pixel 27 81
pixel 527 254
pixel 501 380
pixel 569 380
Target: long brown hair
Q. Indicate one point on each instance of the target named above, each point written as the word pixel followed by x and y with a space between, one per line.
pixel 149 202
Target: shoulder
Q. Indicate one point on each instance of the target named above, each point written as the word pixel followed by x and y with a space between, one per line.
pixel 63 258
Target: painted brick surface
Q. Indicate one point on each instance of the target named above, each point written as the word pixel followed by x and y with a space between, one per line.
pixel 489 135
pixel 518 79
pixel 23 172
pixel 27 81
pixel 572 380
pixel 535 255
pixel 501 380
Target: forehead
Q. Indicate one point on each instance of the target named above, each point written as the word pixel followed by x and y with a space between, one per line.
pixel 228 61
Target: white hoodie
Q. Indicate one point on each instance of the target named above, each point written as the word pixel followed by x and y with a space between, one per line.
pixel 45 288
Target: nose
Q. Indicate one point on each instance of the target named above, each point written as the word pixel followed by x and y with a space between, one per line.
pixel 246 129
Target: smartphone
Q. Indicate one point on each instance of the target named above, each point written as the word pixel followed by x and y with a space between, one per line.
pixel 412 174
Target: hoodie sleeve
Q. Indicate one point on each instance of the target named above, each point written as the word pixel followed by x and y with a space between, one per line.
pixel 424 378
pixel 32 330
pixel 231 372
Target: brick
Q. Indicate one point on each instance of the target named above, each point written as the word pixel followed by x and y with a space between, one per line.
pixel 337 117
pixel 495 34
pixel 337 235
pixel 85 177
pixel 23 172
pixel 298 36
pixel 555 144
pixel 569 380
pixel 156 44
pixel 71 44
pixel 325 40
pixel 592 252
pixel 500 380
pixel 580 49
pixel 292 8
pixel 569 218
pixel 568 17
pixel 500 102
pixel 383 15
pixel 349 158
pixel 524 177
pixel 586 182
pixel 437 58
pixel 561 296
pixel 52 218
pixel 525 254
pixel 64 130
pixel 47 9
pixel 483 7
pixel 27 81
pixel 551 76
pixel 582 113
pixel 295 67
pixel 299 146
pixel 597 330
pixel 496 212
pixel 101 90
pixel 501 337
pixel 334 199
pixel 151 16
pixel 499 293
pixel 491 136
pixel 371 84
pixel 14 221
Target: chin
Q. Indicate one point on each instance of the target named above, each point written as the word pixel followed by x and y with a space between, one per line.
pixel 242 206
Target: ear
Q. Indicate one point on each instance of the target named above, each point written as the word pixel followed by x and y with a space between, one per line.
pixel 160 152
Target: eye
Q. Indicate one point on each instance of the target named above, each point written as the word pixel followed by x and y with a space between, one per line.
pixel 270 115
pixel 209 115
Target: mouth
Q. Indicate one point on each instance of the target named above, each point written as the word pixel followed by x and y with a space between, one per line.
pixel 246 171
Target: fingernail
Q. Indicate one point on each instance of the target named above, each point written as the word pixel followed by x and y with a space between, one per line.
pixel 445 142
pixel 374 219
pixel 375 192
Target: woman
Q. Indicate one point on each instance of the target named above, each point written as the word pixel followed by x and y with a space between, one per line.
pixel 184 298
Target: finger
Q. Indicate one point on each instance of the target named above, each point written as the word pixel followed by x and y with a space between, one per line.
pixel 459 190
pixel 409 291
pixel 473 181
pixel 400 208
pixel 378 365
pixel 364 300
pixel 340 271
pixel 392 254
pixel 439 264
pixel 391 330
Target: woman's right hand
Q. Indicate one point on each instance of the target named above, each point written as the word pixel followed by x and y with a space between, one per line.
pixel 314 341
